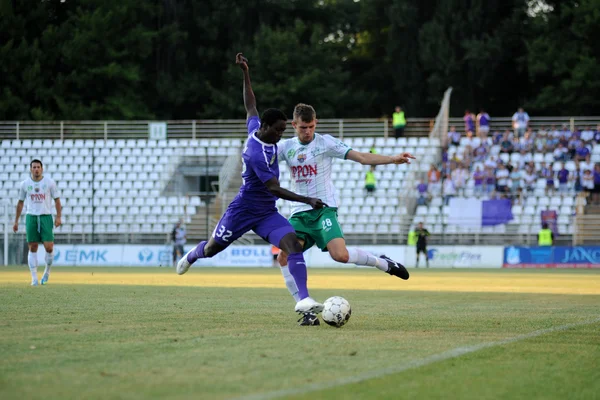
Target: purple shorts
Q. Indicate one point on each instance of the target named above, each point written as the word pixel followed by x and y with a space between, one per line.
pixel 239 219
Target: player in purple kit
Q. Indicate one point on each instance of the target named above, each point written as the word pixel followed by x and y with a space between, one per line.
pixel 254 206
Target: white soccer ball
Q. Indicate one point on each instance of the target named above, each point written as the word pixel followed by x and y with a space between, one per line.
pixel 336 311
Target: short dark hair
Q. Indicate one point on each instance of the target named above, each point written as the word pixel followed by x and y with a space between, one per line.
pixel 305 112
pixel 36 161
pixel 544 225
pixel 272 115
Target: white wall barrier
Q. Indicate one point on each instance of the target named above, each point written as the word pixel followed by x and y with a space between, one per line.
pixel 260 256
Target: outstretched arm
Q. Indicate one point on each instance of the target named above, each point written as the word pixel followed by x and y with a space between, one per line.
pixel 249 98
pixel 273 186
pixel 378 159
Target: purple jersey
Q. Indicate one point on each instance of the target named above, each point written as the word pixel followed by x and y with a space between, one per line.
pixel 259 164
pixel 563 176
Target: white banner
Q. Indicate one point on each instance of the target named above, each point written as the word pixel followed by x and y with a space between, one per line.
pixel 260 256
pixel 457 256
pixel 152 256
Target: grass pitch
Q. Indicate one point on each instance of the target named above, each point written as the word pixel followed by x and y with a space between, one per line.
pixel 132 333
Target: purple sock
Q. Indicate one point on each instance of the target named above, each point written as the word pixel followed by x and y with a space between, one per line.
pixel 297 267
pixel 197 253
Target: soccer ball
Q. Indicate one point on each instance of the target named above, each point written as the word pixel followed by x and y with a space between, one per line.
pixel 336 311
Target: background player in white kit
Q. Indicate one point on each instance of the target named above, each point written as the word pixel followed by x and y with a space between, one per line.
pixel 310 156
pixel 37 193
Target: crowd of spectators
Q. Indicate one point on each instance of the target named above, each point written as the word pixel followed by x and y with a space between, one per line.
pixel 514 163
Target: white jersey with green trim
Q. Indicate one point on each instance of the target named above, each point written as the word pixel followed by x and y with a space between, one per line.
pixel 38 196
pixel 310 167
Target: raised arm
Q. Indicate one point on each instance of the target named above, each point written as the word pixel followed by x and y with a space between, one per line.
pixel 249 98
pixel 378 159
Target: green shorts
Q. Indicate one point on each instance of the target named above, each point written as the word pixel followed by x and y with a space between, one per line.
pixel 317 227
pixel 39 228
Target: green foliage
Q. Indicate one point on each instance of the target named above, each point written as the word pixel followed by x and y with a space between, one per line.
pixel 126 59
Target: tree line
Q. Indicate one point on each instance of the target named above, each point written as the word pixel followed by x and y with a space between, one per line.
pixel 167 59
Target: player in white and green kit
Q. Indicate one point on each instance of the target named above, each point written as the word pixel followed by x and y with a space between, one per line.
pixel 37 193
pixel 310 157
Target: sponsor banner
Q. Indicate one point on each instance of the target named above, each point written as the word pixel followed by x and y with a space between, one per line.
pixel 316 258
pixel 238 256
pixel 552 257
pixel 153 256
pixel 457 257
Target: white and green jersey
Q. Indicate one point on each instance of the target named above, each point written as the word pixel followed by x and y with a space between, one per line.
pixel 311 165
pixel 38 196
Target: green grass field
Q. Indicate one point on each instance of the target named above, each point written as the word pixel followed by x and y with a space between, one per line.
pixel 133 333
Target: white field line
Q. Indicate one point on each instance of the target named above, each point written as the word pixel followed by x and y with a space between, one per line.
pixel 457 352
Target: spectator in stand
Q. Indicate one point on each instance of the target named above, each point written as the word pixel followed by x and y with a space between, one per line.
pixel 483 124
pixel 469 119
pixel 597 135
pixel 547 173
pixel 529 178
pixel 497 137
pixel 586 164
pixel 509 167
pixel 434 180
pixel 506 145
pixel 454 137
pixel 449 190
pixel 516 145
pixel 459 178
pixel 581 152
pixel 490 180
pixel 398 122
pixel 560 153
pixel 576 177
pixel 572 146
pixel 551 143
pixel 519 198
pixel 478 178
pixel 469 140
pixel 539 143
pixel 565 133
pixel 520 121
pixel 587 135
pixel 491 162
pixel 370 181
pixel 596 191
pixel 525 159
pixel 502 179
pixel 480 153
pixel 587 182
pixel 554 132
pixel 541 131
pixel 423 196
pixel 526 142
pixel 563 179
pixel 515 180
pixel 576 133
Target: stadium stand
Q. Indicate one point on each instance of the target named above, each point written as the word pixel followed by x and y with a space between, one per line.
pixel 123 187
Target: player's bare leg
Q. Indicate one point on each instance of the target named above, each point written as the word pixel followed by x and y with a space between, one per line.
pixel 32 261
pixel 49 247
pixel 203 250
pixel 340 253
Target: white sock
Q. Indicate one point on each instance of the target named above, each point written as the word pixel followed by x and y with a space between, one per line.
pixel 33 264
pixel 49 259
pixel 290 283
pixel 361 257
